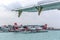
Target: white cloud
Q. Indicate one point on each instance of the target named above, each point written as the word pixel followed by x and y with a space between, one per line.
pixel 12 4
pixel 6 2
pixel 22 2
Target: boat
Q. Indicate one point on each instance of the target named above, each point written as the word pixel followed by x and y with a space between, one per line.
pixel 24 28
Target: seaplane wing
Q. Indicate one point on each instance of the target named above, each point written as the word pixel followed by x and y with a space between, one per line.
pixel 41 6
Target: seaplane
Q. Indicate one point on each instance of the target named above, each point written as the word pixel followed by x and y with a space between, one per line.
pixel 39 7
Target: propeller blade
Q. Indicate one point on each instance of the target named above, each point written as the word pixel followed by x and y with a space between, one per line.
pixel 19 13
pixel 39 8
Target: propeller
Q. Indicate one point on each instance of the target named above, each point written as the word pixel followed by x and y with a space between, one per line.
pixel 39 9
pixel 19 12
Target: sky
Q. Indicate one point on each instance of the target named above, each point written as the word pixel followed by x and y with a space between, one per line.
pixel 51 17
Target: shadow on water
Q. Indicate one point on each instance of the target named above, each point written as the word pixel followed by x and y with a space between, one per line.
pixel 25 32
pixel 30 32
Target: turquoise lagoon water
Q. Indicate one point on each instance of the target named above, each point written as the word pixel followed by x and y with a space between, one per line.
pixel 50 35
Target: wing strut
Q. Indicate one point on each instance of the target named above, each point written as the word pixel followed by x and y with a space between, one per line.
pixel 39 9
pixel 19 13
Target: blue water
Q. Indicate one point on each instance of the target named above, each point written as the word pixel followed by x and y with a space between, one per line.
pixel 50 35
